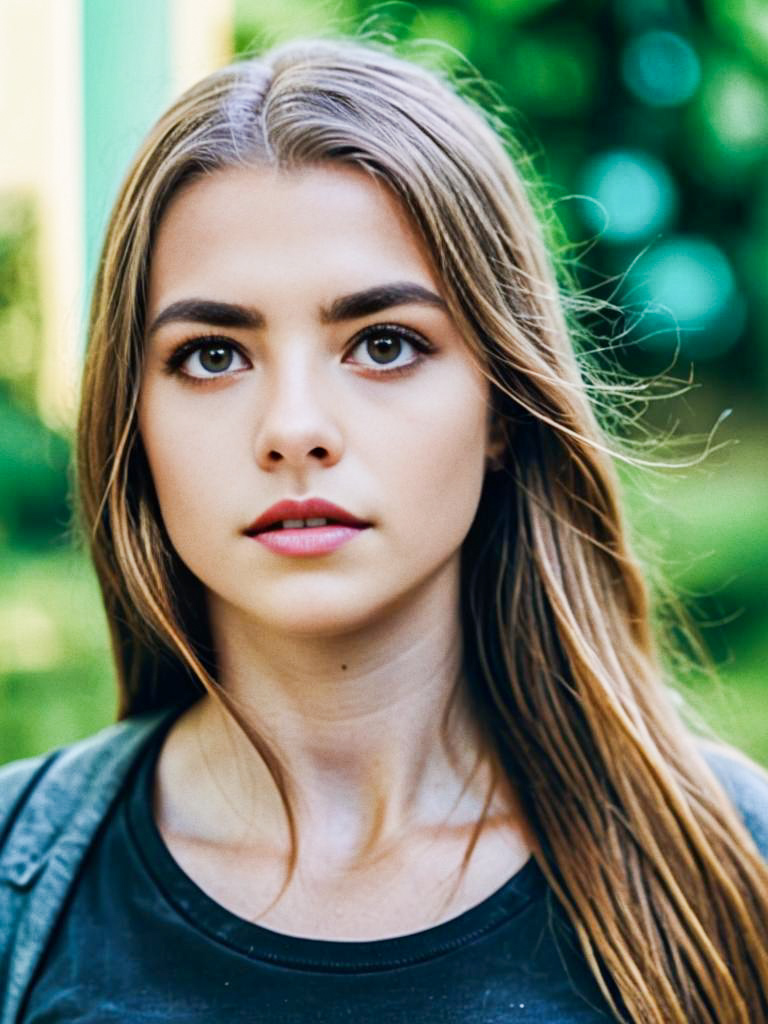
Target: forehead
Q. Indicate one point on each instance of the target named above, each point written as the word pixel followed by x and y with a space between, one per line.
pixel 245 229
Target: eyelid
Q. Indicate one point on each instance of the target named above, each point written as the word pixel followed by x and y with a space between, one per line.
pixel 423 346
pixel 181 352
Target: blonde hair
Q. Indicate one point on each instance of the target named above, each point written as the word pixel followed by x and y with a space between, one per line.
pixel 654 867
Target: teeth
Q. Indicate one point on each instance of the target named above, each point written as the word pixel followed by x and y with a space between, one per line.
pixel 295 524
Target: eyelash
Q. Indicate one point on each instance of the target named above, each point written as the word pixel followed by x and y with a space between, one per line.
pixel 182 352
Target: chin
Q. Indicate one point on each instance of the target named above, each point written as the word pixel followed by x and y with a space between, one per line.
pixel 307 614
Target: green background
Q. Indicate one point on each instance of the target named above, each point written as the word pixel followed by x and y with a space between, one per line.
pixel 647 123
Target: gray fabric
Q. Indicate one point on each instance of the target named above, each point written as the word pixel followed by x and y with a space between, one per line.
pixel 44 845
pixel 747 790
pixel 51 808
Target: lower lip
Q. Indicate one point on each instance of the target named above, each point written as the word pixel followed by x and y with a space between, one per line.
pixel 308 540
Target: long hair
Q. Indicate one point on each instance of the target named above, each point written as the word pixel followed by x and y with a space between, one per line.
pixel 654 868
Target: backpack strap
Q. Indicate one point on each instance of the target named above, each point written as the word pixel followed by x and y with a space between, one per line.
pixel 17 780
pixel 746 785
pixel 51 812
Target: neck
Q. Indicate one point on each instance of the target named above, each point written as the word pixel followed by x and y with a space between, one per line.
pixel 372 727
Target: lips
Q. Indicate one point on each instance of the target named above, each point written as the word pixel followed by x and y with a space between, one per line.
pixel 311 508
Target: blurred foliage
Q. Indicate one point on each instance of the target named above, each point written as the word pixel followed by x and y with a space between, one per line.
pixel 33 459
pixel 34 505
pixel 19 296
pixel 648 123
pixel 54 671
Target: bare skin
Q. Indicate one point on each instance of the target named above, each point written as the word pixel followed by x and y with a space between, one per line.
pixel 345 661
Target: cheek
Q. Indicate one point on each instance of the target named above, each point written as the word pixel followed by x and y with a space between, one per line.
pixel 440 460
pixel 188 470
pixel 179 486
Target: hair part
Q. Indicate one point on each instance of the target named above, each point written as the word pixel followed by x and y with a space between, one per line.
pixel 653 866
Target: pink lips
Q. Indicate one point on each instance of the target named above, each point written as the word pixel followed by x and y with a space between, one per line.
pixel 305 540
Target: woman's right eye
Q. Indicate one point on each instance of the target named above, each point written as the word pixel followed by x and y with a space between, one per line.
pixel 206 359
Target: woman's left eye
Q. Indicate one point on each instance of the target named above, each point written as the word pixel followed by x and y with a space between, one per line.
pixel 386 349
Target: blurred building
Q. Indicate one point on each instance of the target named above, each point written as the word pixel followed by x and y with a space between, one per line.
pixel 80 83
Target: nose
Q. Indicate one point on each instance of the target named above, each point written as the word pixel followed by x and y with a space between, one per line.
pixel 296 429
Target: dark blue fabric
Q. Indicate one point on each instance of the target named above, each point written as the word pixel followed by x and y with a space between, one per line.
pixel 140 942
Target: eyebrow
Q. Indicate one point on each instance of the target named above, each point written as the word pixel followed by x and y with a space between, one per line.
pixel 346 307
pixel 378 298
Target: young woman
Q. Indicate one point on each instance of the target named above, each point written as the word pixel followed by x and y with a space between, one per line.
pixel 395 742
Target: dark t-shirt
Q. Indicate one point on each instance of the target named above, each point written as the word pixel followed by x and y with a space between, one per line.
pixel 138 941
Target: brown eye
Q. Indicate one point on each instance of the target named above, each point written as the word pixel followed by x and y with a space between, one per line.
pixel 389 348
pixel 206 359
pixel 385 348
pixel 215 358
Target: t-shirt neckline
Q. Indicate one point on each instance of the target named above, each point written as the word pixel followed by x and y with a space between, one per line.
pixel 259 942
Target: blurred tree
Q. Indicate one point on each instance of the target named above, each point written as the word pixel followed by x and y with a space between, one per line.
pixel 33 460
pixel 20 320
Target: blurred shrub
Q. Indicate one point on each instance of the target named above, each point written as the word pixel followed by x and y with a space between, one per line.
pixel 56 681
pixel 34 506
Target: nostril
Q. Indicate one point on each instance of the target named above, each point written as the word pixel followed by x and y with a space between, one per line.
pixel 318 452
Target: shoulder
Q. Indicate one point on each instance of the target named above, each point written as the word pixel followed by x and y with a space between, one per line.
pixel 44 791
pixel 746 784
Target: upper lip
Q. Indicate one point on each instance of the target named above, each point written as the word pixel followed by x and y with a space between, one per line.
pixel 308 508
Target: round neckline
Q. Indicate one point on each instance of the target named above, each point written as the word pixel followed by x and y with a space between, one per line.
pixel 259 942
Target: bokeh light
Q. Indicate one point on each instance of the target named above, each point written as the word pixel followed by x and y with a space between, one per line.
pixel 633 196
pixel 686 291
pixel 661 68
pixel 737 109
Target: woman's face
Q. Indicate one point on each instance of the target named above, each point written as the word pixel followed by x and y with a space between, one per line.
pixel 298 347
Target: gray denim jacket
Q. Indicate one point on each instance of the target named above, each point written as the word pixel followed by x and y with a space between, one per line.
pixel 52 806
